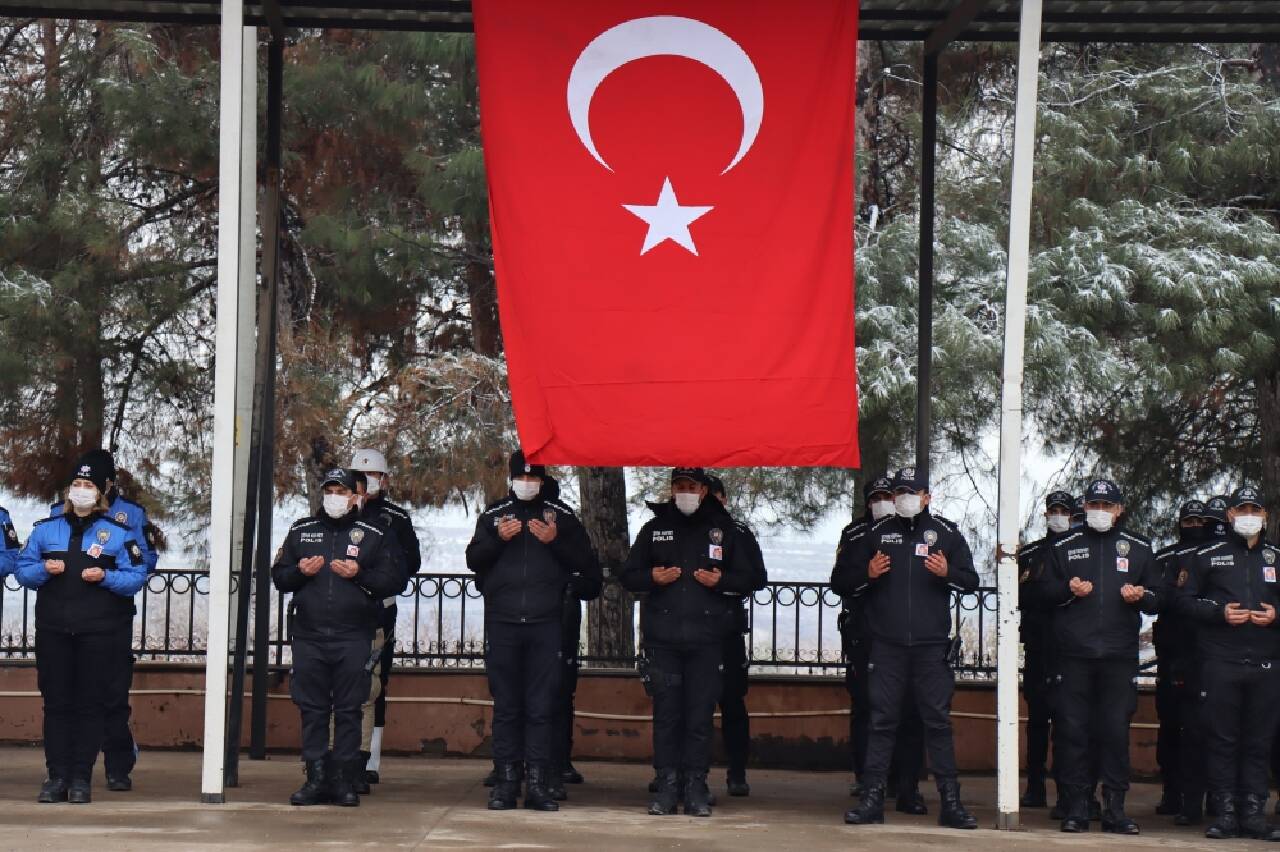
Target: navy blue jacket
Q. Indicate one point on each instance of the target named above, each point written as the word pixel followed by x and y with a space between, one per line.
pixel 1229 571
pixel 65 602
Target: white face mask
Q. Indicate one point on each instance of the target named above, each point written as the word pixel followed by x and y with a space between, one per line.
pixel 82 496
pixel 881 509
pixel 372 484
pixel 1059 523
pixel 688 503
pixel 1100 520
pixel 524 489
pixel 1247 526
pixel 336 505
pixel 908 505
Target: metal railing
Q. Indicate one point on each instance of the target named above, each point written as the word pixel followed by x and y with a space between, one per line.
pixel 441 625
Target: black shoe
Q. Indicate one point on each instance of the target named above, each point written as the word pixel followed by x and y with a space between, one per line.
pixel 342 788
pixel 1191 812
pixel 1036 795
pixel 1075 806
pixel 371 776
pixel 316 789
pixel 119 783
pixel 666 793
pixel 79 792
pixel 355 776
pixel 1114 819
pixel 1170 803
pixel 537 796
pixel 951 813
pixel 506 787
pixel 556 787
pixel 736 784
pixel 870 810
pixel 570 775
pixel 1225 824
pixel 911 802
pixel 1252 812
pixel 697 796
pixel 52 790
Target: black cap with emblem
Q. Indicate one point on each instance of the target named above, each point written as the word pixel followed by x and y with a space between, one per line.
pixel 1104 491
pixel 519 466
pixel 95 468
pixel 1192 509
pixel 697 474
pixel 339 476
pixel 877 485
pixel 1061 499
pixel 1216 508
pixel 910 478
pixel 1245 496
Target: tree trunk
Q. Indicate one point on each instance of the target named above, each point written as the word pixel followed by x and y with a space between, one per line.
pixel 482 293
pixel 1269 418
pixel 610 619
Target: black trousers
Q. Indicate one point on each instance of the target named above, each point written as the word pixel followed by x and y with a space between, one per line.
pixel 1191 736
pixel 523 663
pixel 1035 691
pixel 562 725
pixel 118 750
pixel 735 723
pixel 1241 706
pixel 1094 704
pixel 686 686
pixel 908 746
pixel 919 674
pixel 1169 735
pixel 76 673
pixel 384 666
pixel 329 682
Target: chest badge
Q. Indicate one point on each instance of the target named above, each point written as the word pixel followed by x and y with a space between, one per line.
pixel 931 537
pixel 104 536
pixel 717 535
pixel 1122 547
pixel 1122 565
pixel 357 536
pixel 121 517
pixel 1269 573
pixel 1269 557
pixel 549 516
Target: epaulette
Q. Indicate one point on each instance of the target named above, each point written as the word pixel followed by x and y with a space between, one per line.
pixel 1064 540
pixel 394 509
pixel 369 527
pixel 878 524
pixel 116 523
pixel 946 523
pixel 47 520
pixel 304 522
pixel 1209 548
pixel 1134 537
pixel 562 506
pixel 500 504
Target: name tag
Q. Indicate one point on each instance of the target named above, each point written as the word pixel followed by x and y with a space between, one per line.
pixel 715 551
pixel 1122 565
pixel 352 550
pixel 1269 573
pixel 95 551
pixel 922 550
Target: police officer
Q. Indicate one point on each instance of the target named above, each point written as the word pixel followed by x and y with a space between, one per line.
pixel 581 588
pixel 86 568
pixel 1231 592
pixel 855 636
pixel 907 567
pixel 9 545
pixel 1037 645
pixel 1101 579
pixel 735 721
pixel 525 551
pixel 689 560
pixel 119 751
pixel 1174 639
pixel 377 509
pixel 339 569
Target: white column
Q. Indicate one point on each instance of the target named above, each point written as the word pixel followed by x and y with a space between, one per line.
pixel 236 92
pixel 1015 316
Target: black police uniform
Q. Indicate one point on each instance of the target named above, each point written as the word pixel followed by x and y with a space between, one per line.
pixel 1179 738
pixel 908 611
pixel 524 582
pixel 381 511
pixel 683 625
pixel 1036 632
pixel 1240 670
pixel 1096 638
pixel 735 660
pixel 333 624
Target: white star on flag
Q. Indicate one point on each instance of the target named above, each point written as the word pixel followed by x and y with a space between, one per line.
pixel 668 220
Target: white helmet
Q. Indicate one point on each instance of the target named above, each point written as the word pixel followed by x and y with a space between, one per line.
pixel 368 461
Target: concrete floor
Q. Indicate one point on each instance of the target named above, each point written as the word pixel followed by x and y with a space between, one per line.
pixel 440 804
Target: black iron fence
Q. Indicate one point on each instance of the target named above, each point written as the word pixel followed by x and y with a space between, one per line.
pixel 793 625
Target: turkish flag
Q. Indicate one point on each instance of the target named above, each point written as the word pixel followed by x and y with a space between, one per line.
pixel 671 197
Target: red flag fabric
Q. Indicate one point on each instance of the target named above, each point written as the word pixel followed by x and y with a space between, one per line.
pixel 671 198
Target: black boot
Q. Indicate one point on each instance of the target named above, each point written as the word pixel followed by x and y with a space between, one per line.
pixel 1170 802
pixel 537 796
pixel 355 773
pixel 1192 810
pixel 1114 820
pixel 80 791
pixel 342 789
pixel 555 784
pixel 697 796
pixel 1253 817
pixel 52 790
pixel 506 787
pixel 1075 818
pixel 1095 807
pixel 1036 795
pixel 951 813
pixel 666 794
pixel 1225 824
pixel 736 783
pixel 871 809
pixel 316 790
pixel 911 801
pixel 570 775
